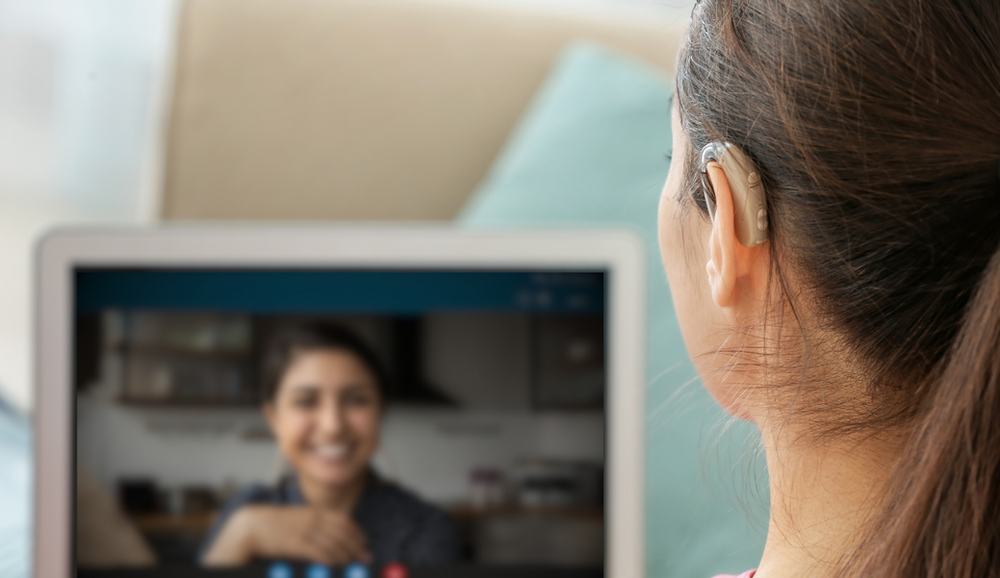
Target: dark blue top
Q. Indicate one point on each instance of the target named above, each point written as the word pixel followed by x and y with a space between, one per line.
pixel 400 527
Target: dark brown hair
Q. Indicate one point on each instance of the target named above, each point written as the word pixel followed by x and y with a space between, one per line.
pixel 875 125
pixel 283 348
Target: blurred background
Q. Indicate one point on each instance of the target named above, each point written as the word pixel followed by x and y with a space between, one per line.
pixel 85 95
pixel 81 105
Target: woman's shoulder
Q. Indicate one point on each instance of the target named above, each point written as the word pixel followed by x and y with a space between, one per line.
pixel 747 574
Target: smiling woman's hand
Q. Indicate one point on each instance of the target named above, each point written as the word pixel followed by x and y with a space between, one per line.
pixel 291 533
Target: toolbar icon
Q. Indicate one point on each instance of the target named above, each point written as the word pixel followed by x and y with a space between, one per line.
pixel 356 570
pixel 279 570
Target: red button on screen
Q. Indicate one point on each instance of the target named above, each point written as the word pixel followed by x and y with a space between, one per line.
pixel 395 570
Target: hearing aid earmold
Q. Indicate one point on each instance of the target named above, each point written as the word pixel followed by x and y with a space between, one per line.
pixel 748 193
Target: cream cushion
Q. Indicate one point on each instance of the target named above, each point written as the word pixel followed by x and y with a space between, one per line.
pixel 359 109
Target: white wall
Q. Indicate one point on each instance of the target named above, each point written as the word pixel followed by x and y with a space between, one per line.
pixel 173 447
pixel 433 452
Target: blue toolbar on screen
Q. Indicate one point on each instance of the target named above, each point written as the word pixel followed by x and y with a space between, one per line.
pixel 398 292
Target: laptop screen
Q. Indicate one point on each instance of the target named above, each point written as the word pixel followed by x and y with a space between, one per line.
pixel 323 423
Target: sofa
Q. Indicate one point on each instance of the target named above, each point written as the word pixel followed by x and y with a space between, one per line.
pixel 361 109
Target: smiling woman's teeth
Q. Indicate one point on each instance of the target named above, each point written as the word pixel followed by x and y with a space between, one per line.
pixel 331 451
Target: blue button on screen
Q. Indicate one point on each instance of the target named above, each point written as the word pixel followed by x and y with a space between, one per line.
pixel 356 570
pixel 279 570
pixel 318 571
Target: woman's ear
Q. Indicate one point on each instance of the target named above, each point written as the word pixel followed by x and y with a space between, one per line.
pixel 733 269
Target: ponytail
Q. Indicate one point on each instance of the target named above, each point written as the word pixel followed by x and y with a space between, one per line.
pixel 942 517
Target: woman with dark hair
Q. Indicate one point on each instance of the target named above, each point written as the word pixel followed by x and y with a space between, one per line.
pixel 323 398
pixel 831 231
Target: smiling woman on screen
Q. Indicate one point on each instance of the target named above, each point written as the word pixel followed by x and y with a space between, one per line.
pixel 323 399
pixel 831 231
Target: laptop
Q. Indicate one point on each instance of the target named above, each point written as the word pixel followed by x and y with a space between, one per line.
pixel 327 402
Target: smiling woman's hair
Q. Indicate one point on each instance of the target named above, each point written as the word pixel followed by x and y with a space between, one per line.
pixel 285 347
pixel 875 125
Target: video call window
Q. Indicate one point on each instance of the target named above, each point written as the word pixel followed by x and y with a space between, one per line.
pixel 225 417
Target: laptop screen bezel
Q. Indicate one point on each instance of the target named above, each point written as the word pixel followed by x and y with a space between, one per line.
pixel 61 253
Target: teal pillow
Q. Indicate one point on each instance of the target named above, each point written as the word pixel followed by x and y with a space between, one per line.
pixel 593 150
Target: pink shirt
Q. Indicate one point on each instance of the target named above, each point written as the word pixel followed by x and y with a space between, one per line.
pixel 747 574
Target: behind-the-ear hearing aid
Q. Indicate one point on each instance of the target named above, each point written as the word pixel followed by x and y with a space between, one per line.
pixel 744 182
